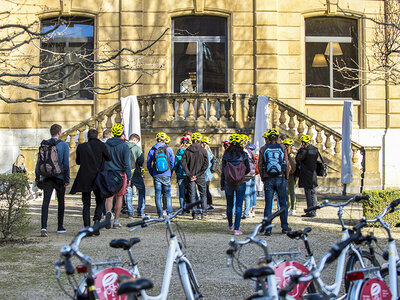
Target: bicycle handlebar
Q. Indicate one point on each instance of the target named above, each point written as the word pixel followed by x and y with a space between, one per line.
pixel 339 247
pixel 356 198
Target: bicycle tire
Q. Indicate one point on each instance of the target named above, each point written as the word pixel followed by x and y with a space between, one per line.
pixel 385 277
pixel 185 281
pixel 353 259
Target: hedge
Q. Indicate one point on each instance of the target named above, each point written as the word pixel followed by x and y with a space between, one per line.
pixel 377 202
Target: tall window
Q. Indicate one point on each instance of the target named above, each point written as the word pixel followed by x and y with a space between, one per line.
pixel 331 58
pixel 199 54
pixel 66 58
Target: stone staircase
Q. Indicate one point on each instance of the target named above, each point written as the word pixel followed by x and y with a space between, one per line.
pixel 218 116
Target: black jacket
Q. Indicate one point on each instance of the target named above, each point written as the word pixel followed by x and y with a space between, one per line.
pixel 89 165
pixel 195 161
pixel 306 158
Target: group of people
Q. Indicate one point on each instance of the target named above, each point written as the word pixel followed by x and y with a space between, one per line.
pixel 277 163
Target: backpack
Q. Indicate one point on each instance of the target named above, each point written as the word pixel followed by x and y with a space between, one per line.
pixel 214 165
pixel 109 183
pixel 180 173
pixel 256 163
pixel 48 165
pixel 274 160
pixel 234 175
pixel 137 164
pixel 161 160
pixel 252 164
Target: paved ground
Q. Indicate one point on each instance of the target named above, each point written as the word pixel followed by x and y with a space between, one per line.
pixel 27 270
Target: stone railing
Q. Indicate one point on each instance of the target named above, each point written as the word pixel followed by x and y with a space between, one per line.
pixel 222 114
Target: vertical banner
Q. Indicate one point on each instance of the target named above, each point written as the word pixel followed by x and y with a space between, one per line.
pixel 131 116
pixel 347 154
pixel 260 127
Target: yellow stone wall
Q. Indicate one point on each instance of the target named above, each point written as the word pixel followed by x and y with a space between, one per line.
pixel 266 49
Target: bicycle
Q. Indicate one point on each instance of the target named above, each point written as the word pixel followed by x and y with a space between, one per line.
pixel 362 282
pixel 175 255
pixel 98 282
pixel 355 255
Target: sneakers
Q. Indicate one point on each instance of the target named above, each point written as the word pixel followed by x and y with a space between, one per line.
pixel 96 232
pixel 108 217
pixel 290 212
pixel 237 232
pixel 116 224
pixel 293 212
pixel 230 228
pixel 130 216
pixel 43 232
pixel 244 217
pixel 286 230
pixel 210 208
pixel 267 233
pixel 61 229
pixel 308 215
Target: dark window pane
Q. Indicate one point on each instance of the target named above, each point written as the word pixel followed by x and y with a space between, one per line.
pixel 184 67
pixel 214 67
pixel 317 74
pixel 199 26
pixel 323 26
pixel 345 73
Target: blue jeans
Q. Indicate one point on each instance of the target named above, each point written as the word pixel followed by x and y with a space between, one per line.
pixel 230 192
pixel 137 181
pixel 250 197
pixel 278 185
pixel 162 184
pixel 181 189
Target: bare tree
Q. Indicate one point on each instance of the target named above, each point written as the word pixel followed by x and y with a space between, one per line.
pixel 34 62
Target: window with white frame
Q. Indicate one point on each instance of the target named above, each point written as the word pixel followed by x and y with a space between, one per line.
pixel 199 54
pixel 66 58
pixel 332 58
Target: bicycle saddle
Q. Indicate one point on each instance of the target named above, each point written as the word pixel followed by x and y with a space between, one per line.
pixel 124 244
pixel 258 271
pixel 298 233
pixel 133 285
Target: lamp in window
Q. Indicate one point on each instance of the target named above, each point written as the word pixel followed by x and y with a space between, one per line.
pixel 191 49
pixel 336 50
pixel 319 61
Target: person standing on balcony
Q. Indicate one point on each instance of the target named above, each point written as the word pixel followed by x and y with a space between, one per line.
pixel 274 171
pixel 90 157
pixel 235 165
pixel 306 158
pixel 120 162
pixel 160 161
pixel 137 161
pixel 58 182
pixel 195 164
pixel 291 150
pixel 205 142
pixel 180 173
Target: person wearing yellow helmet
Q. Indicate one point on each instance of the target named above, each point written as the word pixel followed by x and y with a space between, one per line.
pixel 306 159
pixel 137 161
pixel 195 163
pixel 274 172
pixel 291 150
pixel 244 139
pixel 235 165
pixel 160 161
pixel 120 162
pixel 206 141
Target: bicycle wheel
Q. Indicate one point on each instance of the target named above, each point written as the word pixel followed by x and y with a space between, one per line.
pixel 186 281
pixel 385 277
pixel 353 263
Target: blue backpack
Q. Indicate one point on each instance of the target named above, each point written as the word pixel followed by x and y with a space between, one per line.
pixel 274 160
pixel 161 160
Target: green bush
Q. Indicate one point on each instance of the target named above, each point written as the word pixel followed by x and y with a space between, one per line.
pixel 377 202
pixel 14 191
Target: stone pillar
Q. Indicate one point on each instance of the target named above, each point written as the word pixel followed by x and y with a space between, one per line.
pixel 372 176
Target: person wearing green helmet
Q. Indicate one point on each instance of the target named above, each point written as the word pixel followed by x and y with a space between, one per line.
pixel 306 158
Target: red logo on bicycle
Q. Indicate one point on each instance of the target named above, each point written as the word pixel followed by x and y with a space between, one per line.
pixel 107 285
pixel 375 289
pixel 283 272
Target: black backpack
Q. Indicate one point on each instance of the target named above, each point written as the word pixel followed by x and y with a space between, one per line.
pixel 109 183
pixel 48 164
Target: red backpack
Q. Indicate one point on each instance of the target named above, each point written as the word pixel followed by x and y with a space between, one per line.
pixel 234 175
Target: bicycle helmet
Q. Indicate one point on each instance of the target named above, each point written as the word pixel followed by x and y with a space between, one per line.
pixel 167 139
pixel 234 139
pixel 288 142
pixel 196 136
pixel 245 138
pixel 161 136
pixel 206 139
pixel 117 129
pixel 272 132
pixel 305 138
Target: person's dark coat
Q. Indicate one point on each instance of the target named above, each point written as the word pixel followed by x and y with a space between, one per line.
pixel 306 158
pixel 195 161
pixel 89 165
